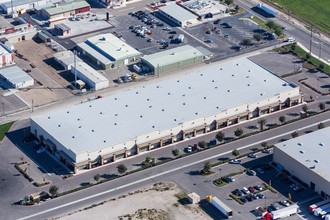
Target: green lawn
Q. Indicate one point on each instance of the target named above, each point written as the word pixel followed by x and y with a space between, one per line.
pixel 4 128
pixel 316 12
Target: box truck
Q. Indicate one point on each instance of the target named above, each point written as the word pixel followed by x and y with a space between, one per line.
pixel 266 8
pixel 285 212
pixel 317 205
pixel 222 207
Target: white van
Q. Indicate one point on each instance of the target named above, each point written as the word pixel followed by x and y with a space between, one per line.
pixel 291 39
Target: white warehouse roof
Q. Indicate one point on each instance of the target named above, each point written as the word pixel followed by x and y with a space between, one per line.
pixel 178 12
pixel 89 72
pixel 16 76
pixel 311 150
pixel 161 104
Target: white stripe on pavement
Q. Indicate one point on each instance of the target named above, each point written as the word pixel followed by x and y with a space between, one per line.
pixel 159 174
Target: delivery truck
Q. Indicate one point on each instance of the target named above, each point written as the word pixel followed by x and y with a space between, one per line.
pixel 317 205
pixel 285 212
pixel 222 207
pixel 266 8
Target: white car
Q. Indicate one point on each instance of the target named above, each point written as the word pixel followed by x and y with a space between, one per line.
pixel 189 149
pixel 284 203
pixel 235 161
pixel 245 190
pixel 253 155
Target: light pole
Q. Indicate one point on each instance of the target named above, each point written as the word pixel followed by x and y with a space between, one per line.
pixel 3 109
pixel 220 174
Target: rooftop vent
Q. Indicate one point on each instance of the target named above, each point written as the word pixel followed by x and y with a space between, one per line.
pixel 68 112
pixel 59 125
pixel 216 87
pixel 101 113
pixel 150 106
pixel 247 76
pixel 228 90
pixel 157 86
pixel 300 144
pixel 178 80
pixel 248 84
pixel 115 98
pixel 126 105
pixel 202 74
pixel 169 93
pixel 184 95
pixel 72 136
pixel 79 126
pixel 104 141
pixel 261 94
pixel 204 97
pixel 49 117
pixel 78 119
pixel 175 119
pixel 93 130
pixel 302 151
pixel 136 92
pixel 116 114
pixel 153 126
pixel 316 161
pixel 249 70
pixel 148 99
pixel 237 64
pixel 184 103
pixel 189 87
pixel 232 74
pixel 90 106
pixel 141 116
pixel 265 80
pixel 115 123
pixel 220 68
pixel 321 144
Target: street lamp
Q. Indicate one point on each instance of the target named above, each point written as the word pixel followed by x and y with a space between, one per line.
pixel 220 174
pixel 3 109
pixel 320 50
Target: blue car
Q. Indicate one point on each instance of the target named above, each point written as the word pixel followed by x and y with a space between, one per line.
pixel 243 199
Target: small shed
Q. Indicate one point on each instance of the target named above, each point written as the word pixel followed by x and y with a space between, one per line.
pixel 62 29
pixel 194 198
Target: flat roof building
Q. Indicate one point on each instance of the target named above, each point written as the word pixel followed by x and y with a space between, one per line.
pixel 90 76
pixel 177 14
pixel 16 77
pixel 157 113
pixel 174 59
pixel 6 56
pixel 66 59
pixel 60 11
pixel 108 51
pixel 307 158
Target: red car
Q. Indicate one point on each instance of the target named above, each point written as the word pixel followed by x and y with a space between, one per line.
pixel 251 189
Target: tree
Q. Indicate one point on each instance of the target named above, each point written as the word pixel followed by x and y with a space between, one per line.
pixel 321 66
pixel 237 7
pixel 271 24
pixel 121 168
pixel 257 37
pixel 282 119
pixel 262 123
pixel 322 106
pixel 148 162
pixel 229 2
pixel 53 190
pixel 97 177
pixel 202 144
pixel 176 152
pixel 207 167
pixel 305 108
pixel 264 144
pixel 294 134
pixel 278 30
pixel 235 152
pixel 238 132
pixel 220 136
pixel 320 126
pixel 308 56
pixel 246 42
pixel 293 46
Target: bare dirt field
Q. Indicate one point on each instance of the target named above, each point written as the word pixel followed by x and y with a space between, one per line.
pixel 158 202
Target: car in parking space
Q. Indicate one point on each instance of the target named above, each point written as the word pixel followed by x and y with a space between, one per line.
pixel 251 189
pixel 149 40
pixel 245 190
pixel 226 35
pixel 274 206
pixel 261 196
pixel 238 192
pixel 284 203
pixel 251 172
pixel 167 28
pixel 244 199
pixel 119 81
pixel 266 151
pixel 235 161
pixel 258 187
pixel 254 196
pixel 249 198
pixel 260 170
pixel 188 149
pixel 217 21
pixel 253 155
pixel 230 179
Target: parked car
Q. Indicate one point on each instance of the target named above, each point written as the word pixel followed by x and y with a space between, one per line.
pixel 251 172
pixel 253 155
pixel 234 161
pixel 284 203
pixel 251 189
pixel 254 196
pixel 258 187
pixel 245 190
pixel 208 41
pixel 238 192
pixel 249 198
pixel 243 199
pixel 266 151
pixel 230 179
pixel 217 21
pixel 41 150
pixel 260 170
pixel 274 206
pixel 260 196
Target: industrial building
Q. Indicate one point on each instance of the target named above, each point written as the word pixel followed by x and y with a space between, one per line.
pixel 21 6
pixel 16 30
pixel 108 51
pixel 62 29
pixel 177 14
pixel 60 11
pixel 66 59
pixel 157 113
pixel 6 56
pixel 174 59
pixel 90 76
pixel 306 157
pixel 16 77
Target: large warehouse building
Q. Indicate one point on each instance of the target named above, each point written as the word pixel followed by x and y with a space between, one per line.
pixel 16 77
pixel 177 14
pixel 307 158
pixel 160 112
pixel 108 51
pixel 174 59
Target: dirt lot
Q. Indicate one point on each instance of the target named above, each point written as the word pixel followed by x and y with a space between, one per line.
pixel 156 202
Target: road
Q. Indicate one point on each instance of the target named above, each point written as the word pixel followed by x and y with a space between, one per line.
pixel 301 35
pixel 163 172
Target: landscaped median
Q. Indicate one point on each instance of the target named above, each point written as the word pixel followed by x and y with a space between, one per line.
pixel 4 128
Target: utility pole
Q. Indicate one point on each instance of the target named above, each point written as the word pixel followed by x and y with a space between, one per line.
pixel 32 107
pixel 310 42
pixel 3 109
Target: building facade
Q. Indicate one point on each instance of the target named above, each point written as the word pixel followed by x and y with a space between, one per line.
pixel 145 117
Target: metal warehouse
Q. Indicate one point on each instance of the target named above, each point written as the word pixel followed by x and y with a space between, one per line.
pixel 307 158
pixel 108 51
pixel 60 11
pixel 90 76
pixel 177 14
pixel 157 113
pixel 174 59
pixel 66 59
pixel 16 77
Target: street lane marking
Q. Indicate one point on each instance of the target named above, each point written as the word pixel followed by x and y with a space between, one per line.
pixel 159 174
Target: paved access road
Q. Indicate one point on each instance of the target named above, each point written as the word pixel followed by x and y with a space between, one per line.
pixel 165 172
